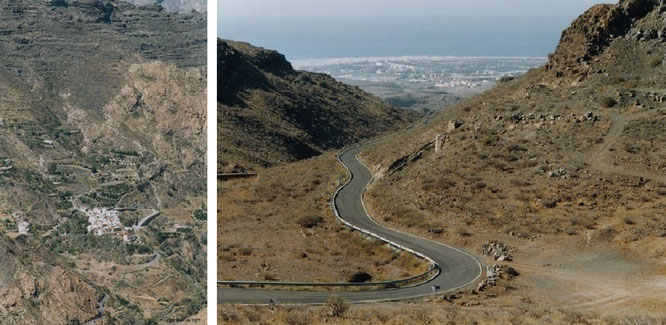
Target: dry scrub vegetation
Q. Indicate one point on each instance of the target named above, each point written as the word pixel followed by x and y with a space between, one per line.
pixel 295 236
pixel 429 313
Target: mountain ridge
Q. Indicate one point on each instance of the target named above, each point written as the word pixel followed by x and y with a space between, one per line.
pixel 272 114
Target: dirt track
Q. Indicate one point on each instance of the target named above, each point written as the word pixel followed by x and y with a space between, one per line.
pixel 598 158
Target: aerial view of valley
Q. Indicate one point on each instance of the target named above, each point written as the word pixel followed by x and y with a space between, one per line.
pixel 102 198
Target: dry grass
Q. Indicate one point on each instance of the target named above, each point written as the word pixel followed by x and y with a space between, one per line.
pixel 654 61
pixel 295 237
pixel 423 313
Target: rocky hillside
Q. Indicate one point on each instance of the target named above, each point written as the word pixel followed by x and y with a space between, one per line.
pixel 181 6
pixel 89 83
pixel 271 114
pixel 103 107
pixel 34 280
pixel 566 163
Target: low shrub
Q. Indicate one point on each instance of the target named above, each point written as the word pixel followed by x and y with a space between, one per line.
pixel 360 277
pixel 654 61
pixel 608 102
pixel 337 306
pixel 310 221
pixel 245 251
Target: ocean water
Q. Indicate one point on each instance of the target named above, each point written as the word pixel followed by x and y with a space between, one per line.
pixel 520 32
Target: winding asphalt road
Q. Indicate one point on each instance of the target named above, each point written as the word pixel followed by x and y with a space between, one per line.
pixel 458 268
pixel 143 222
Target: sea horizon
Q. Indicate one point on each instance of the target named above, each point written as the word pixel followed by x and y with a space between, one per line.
pixel 313 62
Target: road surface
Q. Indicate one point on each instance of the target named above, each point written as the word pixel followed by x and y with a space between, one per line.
pixel 458 268
pixel 143 222
pixel 100 310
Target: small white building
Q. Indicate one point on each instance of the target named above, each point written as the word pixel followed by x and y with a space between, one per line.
pixel 23 227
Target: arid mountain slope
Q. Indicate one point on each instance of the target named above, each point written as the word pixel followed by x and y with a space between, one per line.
pixel 284 125
pixel 90 80
pixel 103 107
pixel 271 114
pixel 593 31
pixel 567 164
pixel 34 280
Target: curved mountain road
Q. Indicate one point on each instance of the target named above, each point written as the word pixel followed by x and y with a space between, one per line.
pixel 458 268
pixel 143 222
pixel 100 311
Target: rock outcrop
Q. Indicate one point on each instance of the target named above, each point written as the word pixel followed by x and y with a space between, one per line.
pixel 592 32
pixel 180 6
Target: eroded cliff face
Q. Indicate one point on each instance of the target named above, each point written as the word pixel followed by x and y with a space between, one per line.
pixel 38 288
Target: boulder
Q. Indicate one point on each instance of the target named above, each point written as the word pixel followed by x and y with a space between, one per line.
pixel 481 286
pixel 453 125
pixel 496 250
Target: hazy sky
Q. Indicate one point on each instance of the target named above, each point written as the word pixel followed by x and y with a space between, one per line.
pixel 303 29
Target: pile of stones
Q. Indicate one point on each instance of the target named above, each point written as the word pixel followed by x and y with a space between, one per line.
pixel 589 116
pixel 657 97
pixel 560 172
pixel 498 251
pixel 540 120
pixel 648 34
pixel 494 273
